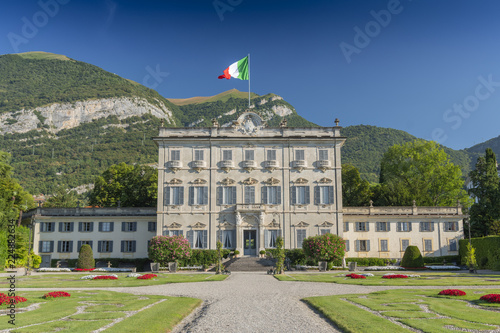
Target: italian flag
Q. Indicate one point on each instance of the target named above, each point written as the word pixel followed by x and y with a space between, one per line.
pixel 238 70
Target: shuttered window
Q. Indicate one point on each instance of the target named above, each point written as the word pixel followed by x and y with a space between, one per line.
pixel 271 155
pixel 227 155
pixel 323 195
pixel 128 246
pixel 198 195
pixel 249 194
pixel 323 154
pixel 300 195
pixel 105 246
pixel 175 155
pixel 383 245
pixel 198 155
pixel 249 155
pixel 301 235
pixel 226 195
pixel 271 195
pixel 174 195
pixel 129 226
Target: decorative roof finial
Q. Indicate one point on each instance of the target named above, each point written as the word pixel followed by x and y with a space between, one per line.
pixel 337 121
pixel 215 123
pixel 283 122
pixel 162 122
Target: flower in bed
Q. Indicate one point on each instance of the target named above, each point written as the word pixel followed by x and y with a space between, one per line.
pixel 147 276
pixel 93 277
pixel 105 277
pixel 452 292
pixel 4 299
pixel 56 294
pixel 395 276
pixel 83 269
pixel 355 276
pixel 491 298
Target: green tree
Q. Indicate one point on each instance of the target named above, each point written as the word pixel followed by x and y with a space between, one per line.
pixel 62 198
pixel 85 257
pixel 133 186
pixel 327 247
pixel 420 171
pixel 355 191
pixel 280 256
pixel 484 214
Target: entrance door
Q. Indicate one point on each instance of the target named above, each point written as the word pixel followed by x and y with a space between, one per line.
pixel 45 261
pixel 249 242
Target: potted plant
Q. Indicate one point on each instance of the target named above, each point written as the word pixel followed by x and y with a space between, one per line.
pixel 205 267
pixel 262 253
pixel 236 253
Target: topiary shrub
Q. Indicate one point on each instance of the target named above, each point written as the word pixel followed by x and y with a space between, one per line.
pixel 85 257
pixel 412 258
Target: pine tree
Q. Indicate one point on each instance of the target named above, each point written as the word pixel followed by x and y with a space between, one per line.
pixel 484 214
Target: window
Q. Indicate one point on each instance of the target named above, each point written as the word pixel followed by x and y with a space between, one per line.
pixel 301 235
pixel 324 231
pixel 404 226
pixel 46 246
pixel 198 155
pixel 227 155
pixel 270 238
pixel 64 246
pixel 129 226
pixel 47 226
pixel 173 233
pixel 383 245
pixel 453 244
pixel 106 226
pixel 427 245
pixel 347 245
pixel 227 240
pixel 175 155
pixel 249 155
pixel 383 226
pixel 85 226
pixel 271 195
pixel 426 226
pixel 198 195
pixel 323 195
pixel 174 195
pixel 404 244
pixel 300 195
pixel 271 155
pixel 105 246
pixel 128 246
pixel 249 194
pixel 198 239
pixel 80 243
pixel 226 195
pixel 299 155
pixel 346 226
pixel 65 226
pixel 362 226
pixel 362 245
pixel 151 226
pixel 451 226
pixel 323 155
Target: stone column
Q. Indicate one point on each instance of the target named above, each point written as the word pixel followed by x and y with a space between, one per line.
pixel 262 245
pixel 239 240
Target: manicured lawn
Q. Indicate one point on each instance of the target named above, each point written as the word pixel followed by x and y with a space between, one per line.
pixel 425 279
pixel 86 311
pixel 72 280
pixel 420 309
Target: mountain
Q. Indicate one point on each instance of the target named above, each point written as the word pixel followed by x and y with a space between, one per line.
pixel 65 121
pixel 223 97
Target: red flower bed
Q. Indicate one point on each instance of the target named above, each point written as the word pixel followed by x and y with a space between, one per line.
pixel 452 292
pixel 395 276
pixel 356 276
pixel 83 269
pixel 55 294
pixel 491 298
pixel 147 276
pixel 105 277
pixel 4 299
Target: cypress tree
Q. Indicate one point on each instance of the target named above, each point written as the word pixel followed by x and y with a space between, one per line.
pixel 85 257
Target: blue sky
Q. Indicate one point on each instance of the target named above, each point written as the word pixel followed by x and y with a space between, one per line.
pixel 430 68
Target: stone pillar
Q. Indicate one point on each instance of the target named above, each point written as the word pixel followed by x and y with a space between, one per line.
pixel 239 235
pixel 262 245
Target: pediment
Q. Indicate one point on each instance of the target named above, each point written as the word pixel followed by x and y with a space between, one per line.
pixel 273 225
pixel 174 225
pixel 325 181
pixel 250 181
pixel 174 181
pixel 301 181
pixel 325 224
pixel 199 181
pixel 227 225
pixel 271 181
pixel 198 225
pixel 302 224
pixel 227 181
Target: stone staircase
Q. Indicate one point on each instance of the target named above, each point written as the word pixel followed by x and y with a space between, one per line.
pixel 249 264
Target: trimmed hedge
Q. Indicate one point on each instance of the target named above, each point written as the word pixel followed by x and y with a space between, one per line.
pixel 85 257
pixel 412 258
pixel 203 257
pixel 487 251
pixel 440 260
pixel 371 261
pixel 139 263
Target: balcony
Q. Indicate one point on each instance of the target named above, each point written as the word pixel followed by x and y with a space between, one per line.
pixel 249 165
pixel 175 165
pixel 226 165
pixel 324 165
pixel 299 164
pixel 199 165
pixel 250 208
pixel 271 165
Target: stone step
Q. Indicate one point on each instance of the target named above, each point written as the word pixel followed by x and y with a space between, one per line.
pixel 249 264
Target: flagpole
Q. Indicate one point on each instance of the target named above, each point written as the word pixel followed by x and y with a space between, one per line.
pixel 249 80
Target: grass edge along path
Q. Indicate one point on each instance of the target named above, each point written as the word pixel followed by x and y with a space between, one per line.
pixel 137 313
pixel 394 310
